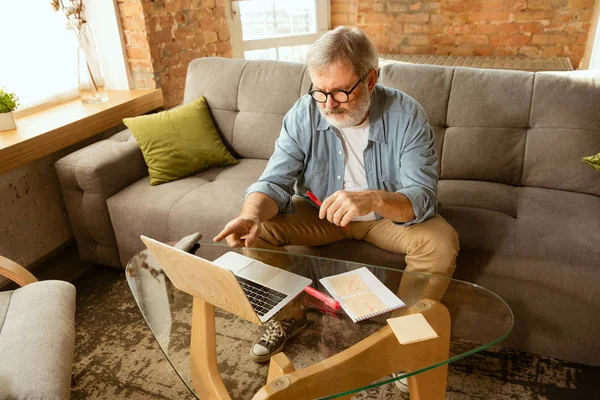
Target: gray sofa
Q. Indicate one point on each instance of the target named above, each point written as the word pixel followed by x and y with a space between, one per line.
pixel 37 336
pixel 512 184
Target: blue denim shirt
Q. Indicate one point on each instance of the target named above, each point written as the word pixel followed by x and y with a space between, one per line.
pixel 400 156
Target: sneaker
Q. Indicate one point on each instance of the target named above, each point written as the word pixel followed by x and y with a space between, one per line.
pixel 402 383
pixel 273 337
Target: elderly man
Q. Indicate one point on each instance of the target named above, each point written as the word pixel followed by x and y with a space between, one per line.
pixel 368 152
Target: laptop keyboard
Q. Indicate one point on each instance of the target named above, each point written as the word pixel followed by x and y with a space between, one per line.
pixel 262 298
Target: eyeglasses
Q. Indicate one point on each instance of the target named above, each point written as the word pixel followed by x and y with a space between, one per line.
pixel 340 96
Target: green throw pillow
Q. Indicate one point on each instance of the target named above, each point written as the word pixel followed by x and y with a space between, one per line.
pixel 179 142
pixel 594 161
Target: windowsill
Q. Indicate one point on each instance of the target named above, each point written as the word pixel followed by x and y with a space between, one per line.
pixel 48 131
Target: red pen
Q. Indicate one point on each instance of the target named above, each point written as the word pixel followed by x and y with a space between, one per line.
pixel 315 200
pixel 324 298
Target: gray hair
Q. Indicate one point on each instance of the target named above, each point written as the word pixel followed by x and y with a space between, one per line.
pixel 347 45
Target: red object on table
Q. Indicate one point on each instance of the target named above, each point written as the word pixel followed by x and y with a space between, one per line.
pixel 323 297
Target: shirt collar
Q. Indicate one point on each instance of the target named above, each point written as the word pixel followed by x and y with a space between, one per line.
pixel 322 125
pixel 376 129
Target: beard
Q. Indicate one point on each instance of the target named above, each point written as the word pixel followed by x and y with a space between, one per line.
pixel 341 117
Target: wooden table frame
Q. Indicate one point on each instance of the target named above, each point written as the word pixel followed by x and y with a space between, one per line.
pixel 381 351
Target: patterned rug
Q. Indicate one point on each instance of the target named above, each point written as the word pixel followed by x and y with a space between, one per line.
pixel 116 357
pixel 520 63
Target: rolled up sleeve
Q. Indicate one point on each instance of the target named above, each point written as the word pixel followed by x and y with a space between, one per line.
pixel 419 172
pixel 286 164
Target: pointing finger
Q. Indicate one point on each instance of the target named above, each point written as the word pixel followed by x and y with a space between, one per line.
pixel 225 232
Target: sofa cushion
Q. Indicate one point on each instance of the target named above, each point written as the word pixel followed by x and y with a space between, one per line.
pixel 553 159
pixel 498 158
pixel 200 80
pixel 482 230
pixel 179 142
pixel 201 203
pixel 563 130
pixel 4 302
pixel 37 341
pixel 564 99
pixel 260 143
pixel 547 205
pixel 490 98
pixel 248 126
pixel 476 194
pixel 276 84
pixel 556 279
pixel 417 81
pixel 483 213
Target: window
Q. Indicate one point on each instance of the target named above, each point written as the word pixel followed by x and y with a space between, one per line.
pixel 289 53
pixel 277 29
pixel 39 58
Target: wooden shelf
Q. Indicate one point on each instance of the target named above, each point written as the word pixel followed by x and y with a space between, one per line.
pixel 45 132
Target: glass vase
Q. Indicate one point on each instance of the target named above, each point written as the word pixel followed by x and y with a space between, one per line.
pixel 91 84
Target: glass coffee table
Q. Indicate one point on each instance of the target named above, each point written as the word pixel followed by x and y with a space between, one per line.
pixel 333 357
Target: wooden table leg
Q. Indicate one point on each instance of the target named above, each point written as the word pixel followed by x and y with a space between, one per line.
pixel 203 353
pixel 279 366
pixel 372 358
pixel 429 385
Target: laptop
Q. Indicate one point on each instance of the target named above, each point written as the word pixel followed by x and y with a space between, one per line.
pixel 233 282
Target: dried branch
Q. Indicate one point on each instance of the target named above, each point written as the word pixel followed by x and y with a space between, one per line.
pixel 73 10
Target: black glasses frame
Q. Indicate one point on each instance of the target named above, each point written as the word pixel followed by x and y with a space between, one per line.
pixel 332 94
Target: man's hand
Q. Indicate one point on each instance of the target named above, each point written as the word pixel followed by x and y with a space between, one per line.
pixel 342 206
pixel 240 232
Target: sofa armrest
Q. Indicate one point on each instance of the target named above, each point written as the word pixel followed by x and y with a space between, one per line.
pixel 15 272
pixel 88 177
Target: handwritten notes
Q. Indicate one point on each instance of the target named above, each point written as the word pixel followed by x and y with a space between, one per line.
pixel 346 285
pixel 361 294
pixel 364 304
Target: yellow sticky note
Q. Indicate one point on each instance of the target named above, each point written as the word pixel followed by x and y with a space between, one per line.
pixel 364 304
pixel 348 284
pixel 412 328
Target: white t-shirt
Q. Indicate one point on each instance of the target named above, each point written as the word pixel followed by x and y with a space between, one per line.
pixel 355 140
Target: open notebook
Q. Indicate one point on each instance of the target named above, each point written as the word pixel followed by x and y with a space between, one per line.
pixel 361 294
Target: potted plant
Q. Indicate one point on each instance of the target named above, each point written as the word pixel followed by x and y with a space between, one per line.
pixel 8 103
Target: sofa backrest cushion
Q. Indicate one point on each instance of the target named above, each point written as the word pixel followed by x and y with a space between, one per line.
pixel 512 127
pixel 565 126
pixel 248 99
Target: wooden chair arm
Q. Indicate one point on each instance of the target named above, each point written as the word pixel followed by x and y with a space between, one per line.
pixel 15 272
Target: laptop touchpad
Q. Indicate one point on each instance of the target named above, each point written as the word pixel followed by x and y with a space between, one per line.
pixel 259 272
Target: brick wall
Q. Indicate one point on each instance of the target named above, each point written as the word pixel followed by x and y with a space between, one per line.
pixel 532 28
pixel 163 36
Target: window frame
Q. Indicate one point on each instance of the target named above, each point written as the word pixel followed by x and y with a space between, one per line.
pixel 239 46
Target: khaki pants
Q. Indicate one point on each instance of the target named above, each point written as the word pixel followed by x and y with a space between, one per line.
pixel 431 247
